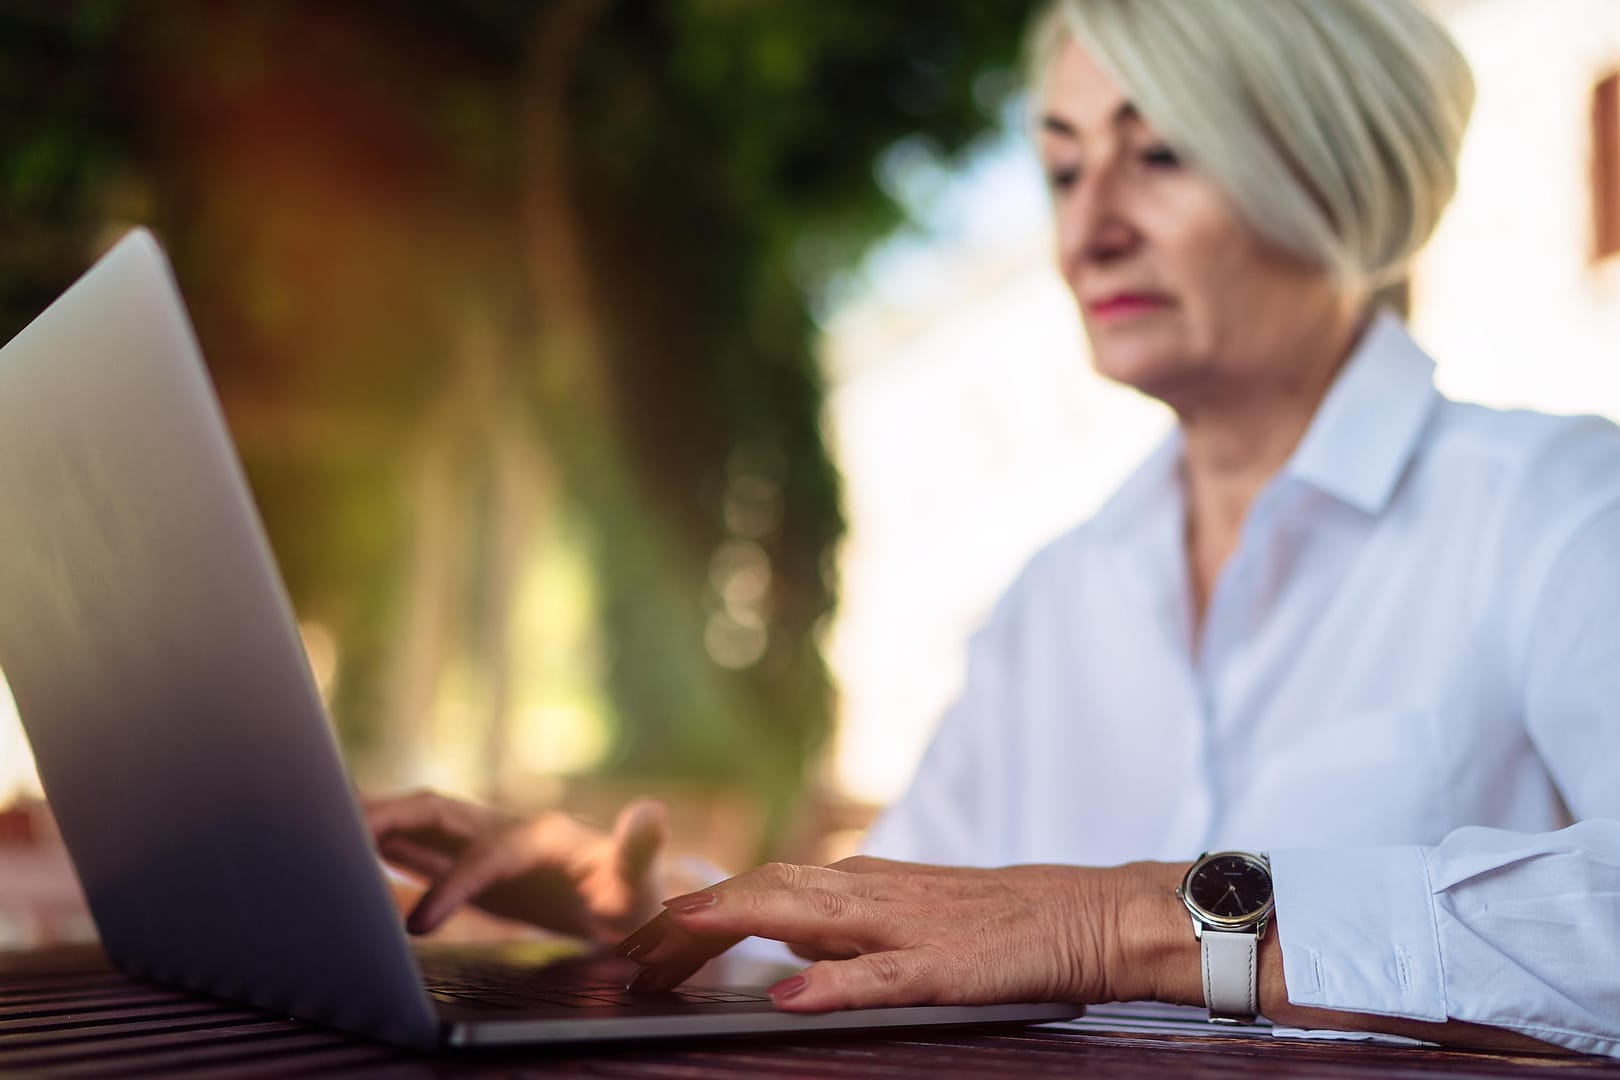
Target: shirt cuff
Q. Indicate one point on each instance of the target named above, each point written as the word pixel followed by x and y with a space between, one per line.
pixel 1358 932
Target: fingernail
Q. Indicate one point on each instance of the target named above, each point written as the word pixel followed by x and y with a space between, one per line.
pixel 685 905
pixel 647 980
pixel 643 940
pixel 788 988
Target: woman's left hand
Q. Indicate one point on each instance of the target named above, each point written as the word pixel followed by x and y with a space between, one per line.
pixel 893 933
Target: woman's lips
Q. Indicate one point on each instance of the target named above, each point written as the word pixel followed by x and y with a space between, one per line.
pixel 1125 305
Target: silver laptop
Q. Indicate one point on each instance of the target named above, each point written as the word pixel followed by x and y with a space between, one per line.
pixel 153 656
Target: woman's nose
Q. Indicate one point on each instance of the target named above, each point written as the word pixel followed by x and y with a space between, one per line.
pixel 1093 226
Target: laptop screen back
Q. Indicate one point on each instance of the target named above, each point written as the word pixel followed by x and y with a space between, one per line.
pixel 155 662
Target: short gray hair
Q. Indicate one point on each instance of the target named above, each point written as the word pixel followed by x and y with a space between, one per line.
pixel 1333 126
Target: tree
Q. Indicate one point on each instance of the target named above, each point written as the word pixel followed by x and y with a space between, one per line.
pixel 465 270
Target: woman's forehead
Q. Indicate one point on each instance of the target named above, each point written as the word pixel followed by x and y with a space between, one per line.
pixel 1080 97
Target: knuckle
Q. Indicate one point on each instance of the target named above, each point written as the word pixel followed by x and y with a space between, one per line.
pixel 780 875
pixel 889 971
pixel 831 906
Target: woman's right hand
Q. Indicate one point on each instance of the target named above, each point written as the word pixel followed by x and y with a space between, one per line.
pixel 549 870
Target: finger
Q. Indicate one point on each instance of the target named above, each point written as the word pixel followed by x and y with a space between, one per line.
pixel 672 952
pixel 684 954
pixel 681 953
pixel 895 977
pixel 551 841
pixel 789 877
pixel 660 941
pixel 638 836
pixel 388 812
pixel 779 878
pixel 644 938
pixel 810 952
pixel 422 810
pixel 826 919
pixel 424 861
pixel 485 864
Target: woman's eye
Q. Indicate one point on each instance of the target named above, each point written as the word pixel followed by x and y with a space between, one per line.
pixel 1062 179
pixel 1160 157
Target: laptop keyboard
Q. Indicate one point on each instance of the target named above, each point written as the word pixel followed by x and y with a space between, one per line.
pixel 477 979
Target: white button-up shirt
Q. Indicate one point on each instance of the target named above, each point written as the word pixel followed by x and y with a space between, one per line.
pixel 1407 690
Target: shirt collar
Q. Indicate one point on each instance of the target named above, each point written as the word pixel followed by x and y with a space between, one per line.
pixel 1367 429
pixel 1358 445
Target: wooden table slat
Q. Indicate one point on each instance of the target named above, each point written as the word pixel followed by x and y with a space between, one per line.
pixel 78 1032
pixel 19 1005
pixel 353 1062
pixel 88 1021
pixel 40 984
pixel 63 1013
pixel 243 1043
pixel 109 1000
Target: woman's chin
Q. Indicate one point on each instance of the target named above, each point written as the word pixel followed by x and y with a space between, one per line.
pixel 1148 370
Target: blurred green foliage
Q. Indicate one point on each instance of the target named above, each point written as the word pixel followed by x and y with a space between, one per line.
pixel 423 239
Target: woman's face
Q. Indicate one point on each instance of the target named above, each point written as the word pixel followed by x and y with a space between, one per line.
pixel 1180 299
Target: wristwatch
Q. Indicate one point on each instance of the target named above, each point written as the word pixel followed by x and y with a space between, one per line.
pixel 1228 894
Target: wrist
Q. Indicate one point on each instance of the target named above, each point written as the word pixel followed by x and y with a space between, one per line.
pixel 1156 956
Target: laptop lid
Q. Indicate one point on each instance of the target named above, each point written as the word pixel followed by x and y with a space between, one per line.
pixel 154 659
pixel 155 662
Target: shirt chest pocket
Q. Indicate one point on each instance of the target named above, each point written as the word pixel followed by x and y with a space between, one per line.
pixel 1370 777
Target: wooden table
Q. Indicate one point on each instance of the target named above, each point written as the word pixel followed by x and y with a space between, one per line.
pixel 64 1012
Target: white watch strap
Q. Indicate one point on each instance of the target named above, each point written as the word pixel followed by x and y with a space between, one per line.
pixel 1229 974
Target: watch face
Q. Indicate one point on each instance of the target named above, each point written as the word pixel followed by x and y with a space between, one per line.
pixel 1231 886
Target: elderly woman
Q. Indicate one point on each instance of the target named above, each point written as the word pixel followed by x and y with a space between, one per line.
pixel 1336 617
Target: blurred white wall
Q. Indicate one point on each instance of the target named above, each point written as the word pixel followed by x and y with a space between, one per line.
pixel 970 429
pixel 1506 296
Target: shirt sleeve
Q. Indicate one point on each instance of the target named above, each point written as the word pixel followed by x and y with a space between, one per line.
pixel 1515 930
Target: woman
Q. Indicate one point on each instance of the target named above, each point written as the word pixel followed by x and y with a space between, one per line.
pixel 1335 616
